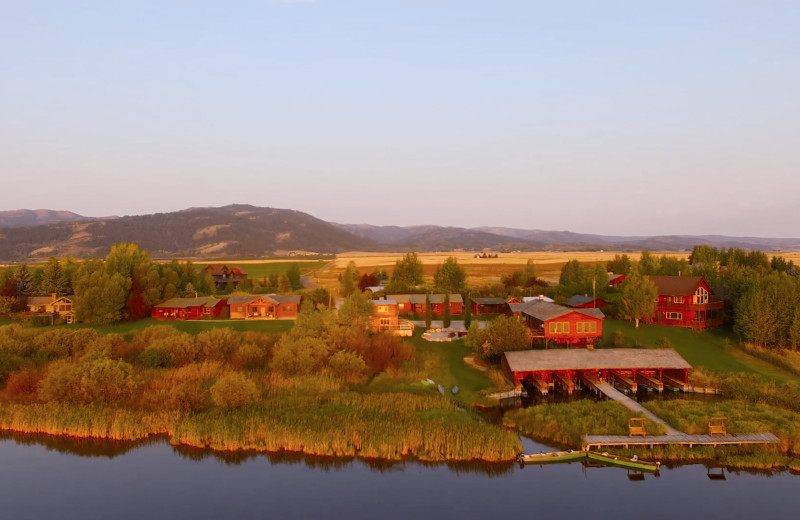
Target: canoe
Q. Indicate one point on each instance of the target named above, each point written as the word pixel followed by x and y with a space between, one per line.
pixel 553 456
pixel 624 462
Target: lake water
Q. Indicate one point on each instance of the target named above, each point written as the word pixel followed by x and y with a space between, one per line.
pixel 45 478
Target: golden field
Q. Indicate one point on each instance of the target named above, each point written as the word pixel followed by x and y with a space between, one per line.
pixel 479 270
pixel 486 270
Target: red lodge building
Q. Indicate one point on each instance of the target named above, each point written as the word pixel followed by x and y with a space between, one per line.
pixel 264 307
pixel 188 308
pixel 686 301
pixel 562 325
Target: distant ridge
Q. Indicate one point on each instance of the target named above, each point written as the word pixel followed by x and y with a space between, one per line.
pixel 38 217
pixel 245 231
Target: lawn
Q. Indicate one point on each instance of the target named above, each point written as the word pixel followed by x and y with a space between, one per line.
pixel 444 364
pixel 715 349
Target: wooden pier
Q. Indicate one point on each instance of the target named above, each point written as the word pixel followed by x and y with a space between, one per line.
pixel 597 441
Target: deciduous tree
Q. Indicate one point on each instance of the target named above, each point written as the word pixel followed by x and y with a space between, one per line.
pixel 407 274
pixel 450 277
pixel 639 296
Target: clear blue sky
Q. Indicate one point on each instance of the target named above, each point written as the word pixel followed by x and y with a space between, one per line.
pixel 633 117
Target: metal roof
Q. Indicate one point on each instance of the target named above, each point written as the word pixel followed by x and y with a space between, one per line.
pixel 384 302
pixel 578 299
pixel 544 311
pixel 584 359
pixel 420 298
pixel 489 301
pixel 676 285
pixel 183 303
pixel 274 298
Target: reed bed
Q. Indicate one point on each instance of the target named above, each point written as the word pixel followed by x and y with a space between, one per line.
pixel 566 423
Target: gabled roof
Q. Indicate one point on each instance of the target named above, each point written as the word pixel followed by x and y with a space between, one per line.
pixel 544 311
pixel 677 285
pixel 613 277
pixel 516 307
pixel 580 299
pixel 580 359
pixel 489 301
pixel 420 298
pixel 274 298
pixel 384 302
pixel 185 303
pixel 39 300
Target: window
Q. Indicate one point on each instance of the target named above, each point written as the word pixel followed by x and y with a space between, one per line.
pixel 674 315
pixel 701 295
pixel 385 322
pixel 383 308
pixel 677 299
pixel 593 326
pixel 579 327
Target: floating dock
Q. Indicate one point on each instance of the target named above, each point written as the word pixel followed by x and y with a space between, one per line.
pixel 596 441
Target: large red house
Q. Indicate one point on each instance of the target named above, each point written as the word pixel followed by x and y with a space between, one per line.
pixel 188 308
pixel 264 307
pixel 686 301
pixel 225 276
pixel 562 325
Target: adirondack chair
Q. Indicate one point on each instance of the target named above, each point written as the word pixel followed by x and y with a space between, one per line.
pixel 636 427
pixel 716 425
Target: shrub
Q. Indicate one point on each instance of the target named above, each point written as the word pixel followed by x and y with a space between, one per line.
pixel 348 366
pixel 234 390
pixel 98 380
pixel 154 357
pixel 216 344
pixel 23 384
pixel 618 339
pixel 304 355
pixel 663 343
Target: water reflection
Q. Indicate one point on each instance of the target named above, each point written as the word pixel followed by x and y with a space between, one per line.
pixel 104 448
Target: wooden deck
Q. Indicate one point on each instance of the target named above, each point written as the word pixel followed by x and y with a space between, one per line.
pixel 596 441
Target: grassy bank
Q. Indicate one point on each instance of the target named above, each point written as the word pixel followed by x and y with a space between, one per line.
pixel 337 423
pixel 566 423
pixel 77 382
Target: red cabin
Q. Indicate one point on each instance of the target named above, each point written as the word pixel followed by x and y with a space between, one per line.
pixel 188 308
pixel 415 303
pixel 562 325
pixel 686 301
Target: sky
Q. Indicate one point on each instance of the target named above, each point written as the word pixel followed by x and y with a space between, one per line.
pixel 612 117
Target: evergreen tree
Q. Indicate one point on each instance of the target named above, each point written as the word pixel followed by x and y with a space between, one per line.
pixel 349 280
pixel 446 316
pixel 467 312
pixel 24 278
pixel 428 311
pixel 293 273
pixel 284 285
pixel 52 278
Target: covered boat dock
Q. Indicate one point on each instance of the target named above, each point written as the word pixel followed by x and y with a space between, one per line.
pixel 568 368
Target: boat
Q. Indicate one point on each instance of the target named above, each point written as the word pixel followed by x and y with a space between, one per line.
pixel 624 462
pixel 553 456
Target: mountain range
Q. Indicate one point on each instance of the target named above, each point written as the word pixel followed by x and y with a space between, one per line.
pixel 244 231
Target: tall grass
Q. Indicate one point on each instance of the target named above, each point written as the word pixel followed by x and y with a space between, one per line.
pixel 566 423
